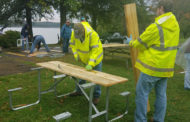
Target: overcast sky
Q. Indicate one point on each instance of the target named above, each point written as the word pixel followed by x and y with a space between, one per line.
pixel 56 18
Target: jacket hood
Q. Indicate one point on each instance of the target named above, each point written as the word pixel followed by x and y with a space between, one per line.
pixel 167 21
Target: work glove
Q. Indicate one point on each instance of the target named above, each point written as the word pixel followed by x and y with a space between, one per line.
pixel 77 58
pixel 128 39
pixel 88 67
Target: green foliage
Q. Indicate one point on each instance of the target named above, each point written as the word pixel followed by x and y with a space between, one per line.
pixel 14 11
pixel 8 39
pixel 107 16
pixel 185 27
pixel 72 6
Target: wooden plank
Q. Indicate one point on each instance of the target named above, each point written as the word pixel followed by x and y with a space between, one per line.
pixel 114 45
pixel 57 51
pixel 38 53
pixel 93 76
pixel 17 54
pixel 132 28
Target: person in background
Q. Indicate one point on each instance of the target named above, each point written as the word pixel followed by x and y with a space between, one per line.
pixel 66 35
pixel 156 59
pixel 86 46
pixel 38 39
pixel 82 19
pixel 187 72
pixel 24 36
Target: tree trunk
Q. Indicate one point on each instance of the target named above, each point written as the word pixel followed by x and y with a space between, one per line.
pixel 63 13
pixel 94 23
pixel 29 22
pixel 4 26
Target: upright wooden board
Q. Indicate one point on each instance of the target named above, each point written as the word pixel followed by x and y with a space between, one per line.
pixel 93 76
pixel 132 28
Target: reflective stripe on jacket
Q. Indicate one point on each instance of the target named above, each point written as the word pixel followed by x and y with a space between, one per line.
pixel 90 51
pixel 158 47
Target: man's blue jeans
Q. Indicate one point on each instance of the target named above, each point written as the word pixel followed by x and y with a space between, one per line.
pixel 36 41
pixel 65 45
pixel 143 88
pixel 187 72
pixel 97 89
pixel 27 45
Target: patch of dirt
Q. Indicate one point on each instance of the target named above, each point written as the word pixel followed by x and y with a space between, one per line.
pixel 10 64
pixel 14 62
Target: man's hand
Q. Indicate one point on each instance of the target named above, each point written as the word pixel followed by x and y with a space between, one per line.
pixel 88 67
pixel 128 39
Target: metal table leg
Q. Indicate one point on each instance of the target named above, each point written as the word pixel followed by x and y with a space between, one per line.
pixel 56 83
pixel 125 94
pixel 55 92
pixel 107 103
pixel 25 106
pixel 90 104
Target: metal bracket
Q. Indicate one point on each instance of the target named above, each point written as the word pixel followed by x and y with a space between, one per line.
pixel 37 68
pixel 10 100
pixel 16 89
pixel 87 85
pixel 124 94
pixel 62 116
pixel 62 76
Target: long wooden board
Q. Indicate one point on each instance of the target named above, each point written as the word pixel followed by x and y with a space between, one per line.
pixel 17 54
pixel 36 53
pixel 114 45
pixel 93 76
pixel 132 28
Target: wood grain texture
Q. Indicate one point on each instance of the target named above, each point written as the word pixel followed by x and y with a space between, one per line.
pixel 93 76
pixel 132 28
pixel 114 45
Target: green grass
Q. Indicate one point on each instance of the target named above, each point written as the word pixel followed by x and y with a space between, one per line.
pixel 178 105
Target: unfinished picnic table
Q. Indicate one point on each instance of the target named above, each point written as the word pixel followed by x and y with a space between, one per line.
pixel 77 72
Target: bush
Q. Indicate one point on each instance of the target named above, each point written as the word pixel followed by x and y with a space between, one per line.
pixel 8 39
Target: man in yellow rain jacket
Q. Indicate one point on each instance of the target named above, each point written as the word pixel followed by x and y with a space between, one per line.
pixel 157 52
pixel 87 47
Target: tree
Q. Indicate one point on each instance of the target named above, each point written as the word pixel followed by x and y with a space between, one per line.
pixel 13 10
pixel 68 9
pixel 182 12
pixel 9 11
pixel 107 16
pixel 95 9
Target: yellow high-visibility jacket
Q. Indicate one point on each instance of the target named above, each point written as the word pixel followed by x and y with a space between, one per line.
pixel 90 51
pixel 158 47
pixel 87 24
